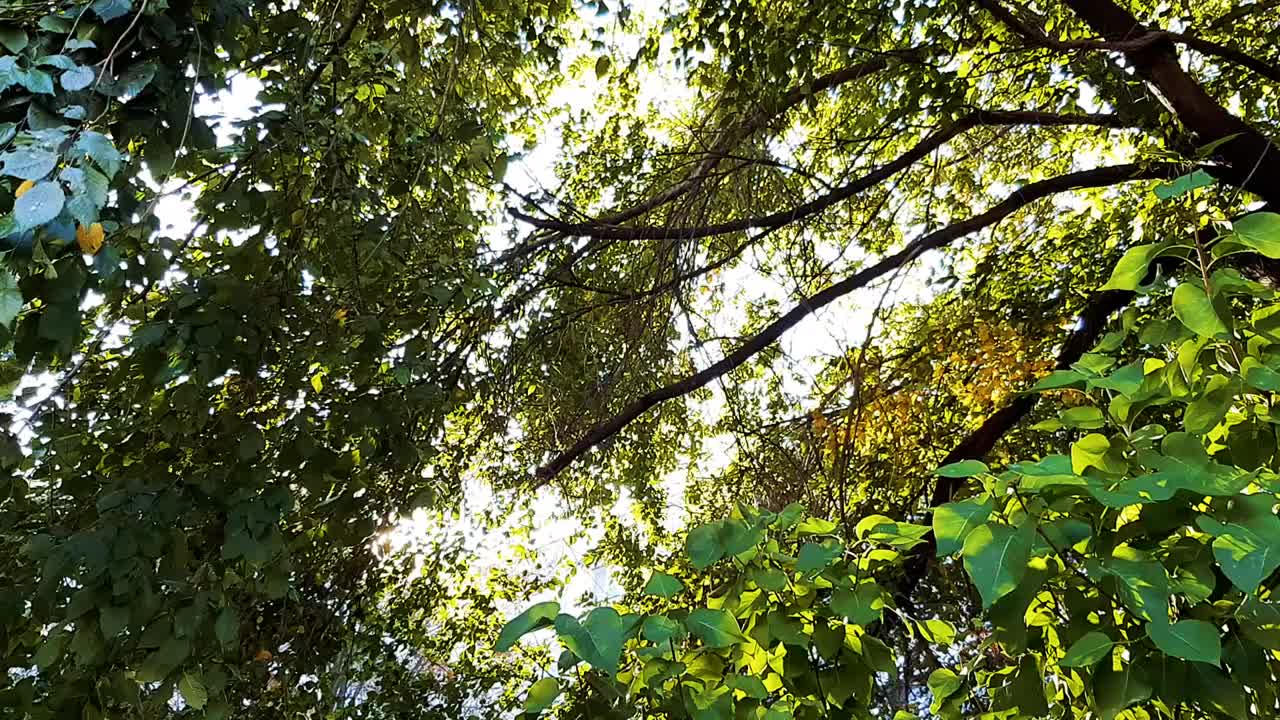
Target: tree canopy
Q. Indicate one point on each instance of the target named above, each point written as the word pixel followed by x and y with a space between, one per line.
pixel 702 359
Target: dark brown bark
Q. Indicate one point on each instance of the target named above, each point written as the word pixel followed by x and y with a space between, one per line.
pixel 1254 160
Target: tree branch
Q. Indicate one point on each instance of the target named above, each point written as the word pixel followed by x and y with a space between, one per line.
pixel 756 121
pixel 1097 177
pixel 607 231
pixel 1253 158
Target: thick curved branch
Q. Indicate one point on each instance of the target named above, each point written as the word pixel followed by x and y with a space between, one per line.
pixel 1140 42
pixel 1098 177
pixel 1254 160
pixel 1230 54
pixel 606 231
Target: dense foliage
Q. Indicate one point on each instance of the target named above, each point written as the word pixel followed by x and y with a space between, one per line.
pixel 727 320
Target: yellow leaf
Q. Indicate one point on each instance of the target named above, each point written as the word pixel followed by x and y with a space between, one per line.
pixel 317 382
pixel 262 656
pixel 90 239
pixel 24 187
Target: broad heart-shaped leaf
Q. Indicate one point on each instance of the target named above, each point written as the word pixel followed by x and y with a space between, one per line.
pixel 39 205
pixel 1087 651
pixel 738 536
pixel 705 545
pixel 861 605
pixel 1114 691
pixel 538 616
pixel 131 82
pixel 715 628
pixel 659 629
pixel 962 469
pixel 943 683
pixel 663 585
pixel 1194 640
pixel 1132 267
pixel 752 686
pixel 814 556
pixel 109 10
pixel 193 691
pixel 227 627
pixel 598 639
pixel 98 148
pixel 13 38
pixel 1247 554
pixel 996 556
pixel 541 695
pixel 1260 231
pixel 77 78
pixel 952 523
pixel 1143 584
pixel 29 163
pixel 10 297
pixel 1195 310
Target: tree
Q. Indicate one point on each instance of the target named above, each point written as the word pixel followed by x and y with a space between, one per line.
pixel 218 432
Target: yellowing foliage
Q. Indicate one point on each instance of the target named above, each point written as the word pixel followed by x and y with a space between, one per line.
pixel 23 188
pixel 90 239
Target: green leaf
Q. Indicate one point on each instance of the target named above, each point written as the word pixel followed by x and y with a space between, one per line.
pixel 814 557
pixel 1132 267
pixel 1247 554
pixel 29 163
pixel 39 205
pixel 1094 450
pixel 1260 231
pixel 1194 640
pixel 737 536
pixel 98 147
pixel 193 691
pixel 962 469
pixel 50 650
pixel 112 620
pixel 1117 690
pixel 77 78
pixel 598 639
pixel 1058 379
pixel 541 694
pixel 715 628
pixel 227 627
pixel 659 629
pixel 11 301
pixel 704 545
pixel 952 523
pixel 1184 184
pixel 1085 417
pixel 109 10
pixel 663 585
pixel 768 578
pixel 131 82
pixel 943 683
pixel 996 556
pixel 1143 584
pixel 862 605
pixel 1088 650
pixel 15 39
pixel 751 686
pixel 1195 310
pixel 538 616
pixel 37 81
